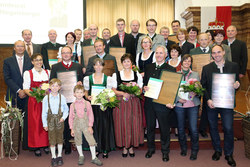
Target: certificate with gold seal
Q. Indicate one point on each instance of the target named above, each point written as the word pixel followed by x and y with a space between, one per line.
pixel 69 81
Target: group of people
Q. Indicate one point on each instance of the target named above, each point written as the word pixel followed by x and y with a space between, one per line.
pixel 59 118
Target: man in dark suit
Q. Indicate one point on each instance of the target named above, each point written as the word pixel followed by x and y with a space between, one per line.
pixel 157 111
pixel 65 66
pixel 238 49
pixel 51 45
pixel 122 39
pixel 164 31
pixel 99 47
pixel 135 26
pixel 30 47
pixel 13 69
pixel 220 65
pixel 202 49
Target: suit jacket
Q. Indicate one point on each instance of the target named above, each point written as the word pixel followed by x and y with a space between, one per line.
pixel 158 40
pixel 58 67
pixel 12 75
pixel 44 51
pixel 128 43
pixel 197 51
pixel 169 44
pixel 186 47
pixel 136 39
pixel 90 68
pixel 239 54
pixel 36 48
pixel 209 69
pixel 152 71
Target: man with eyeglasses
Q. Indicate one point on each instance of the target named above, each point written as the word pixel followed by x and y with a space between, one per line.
pixel 156 38
pixel 66 65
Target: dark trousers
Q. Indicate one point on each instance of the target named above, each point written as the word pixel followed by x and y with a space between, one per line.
pixel 204 119
pixel 66 133
pixel 155 111
pixel 191 114
pixel 227 124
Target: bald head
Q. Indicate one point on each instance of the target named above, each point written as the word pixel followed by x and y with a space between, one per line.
pixel 135 26
pixel 52 35
pixel 231 32
pixel 93 29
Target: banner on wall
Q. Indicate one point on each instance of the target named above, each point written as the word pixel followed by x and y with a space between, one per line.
pixel 219 14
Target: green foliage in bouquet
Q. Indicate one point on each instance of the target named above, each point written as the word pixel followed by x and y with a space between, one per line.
pixel 193 85
pixel 131 88
pixel 107 98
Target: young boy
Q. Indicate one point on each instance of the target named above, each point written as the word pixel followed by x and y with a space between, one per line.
pixel 54 112
pixel 81 120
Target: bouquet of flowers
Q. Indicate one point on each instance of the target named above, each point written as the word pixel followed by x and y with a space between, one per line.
pixel 194 86
pixel 40 92
pixel 107 98
pixel 9 117
pixel 131 88
pixel 135 68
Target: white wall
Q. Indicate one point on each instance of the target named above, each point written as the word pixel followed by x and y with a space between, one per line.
pixel 182 5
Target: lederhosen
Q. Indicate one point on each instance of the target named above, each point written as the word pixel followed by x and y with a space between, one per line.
pixel 55 127
pixel 80 125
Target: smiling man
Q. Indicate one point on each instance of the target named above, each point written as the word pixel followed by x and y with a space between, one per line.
pixel 157 111
pixel 238 49
pixel 99 48
pixel 220 65
pixel 122 39
pixel 30 47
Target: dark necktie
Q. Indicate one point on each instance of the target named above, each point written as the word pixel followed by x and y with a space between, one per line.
pixel 204 50
pixel 76 56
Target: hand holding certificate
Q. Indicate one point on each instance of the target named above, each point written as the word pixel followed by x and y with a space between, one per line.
pixel 154 88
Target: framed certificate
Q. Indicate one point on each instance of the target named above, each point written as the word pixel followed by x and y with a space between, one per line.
pixel 117 52
pixel 95 90
pixel 199 61
pixel 69 81
pixel 170 87
pixel 154 88
pixel 52 56
pixel 173 38
pixel 88 51
pixel 223 92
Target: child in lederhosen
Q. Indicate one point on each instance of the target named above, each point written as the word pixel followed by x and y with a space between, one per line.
pixel 54 112
pixel 81 121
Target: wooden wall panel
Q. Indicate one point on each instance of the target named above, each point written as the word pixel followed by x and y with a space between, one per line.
pixel 240 18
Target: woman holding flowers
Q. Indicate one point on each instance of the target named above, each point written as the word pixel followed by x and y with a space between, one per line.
pixel 128 116
pixel 187 105
pixel 103 125
pixel 34 78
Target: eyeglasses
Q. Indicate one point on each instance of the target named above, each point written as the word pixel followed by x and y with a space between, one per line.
pixel 64 53
pixel 151 25
pixel 146 42
pixel 37 60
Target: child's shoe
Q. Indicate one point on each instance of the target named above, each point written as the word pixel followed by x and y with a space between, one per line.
pixel 81 160
pixel 96 161
pixel 59 161
pixel 53 162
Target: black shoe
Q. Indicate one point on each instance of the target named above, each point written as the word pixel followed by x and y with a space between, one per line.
pixel 67 151
pixel 59 161
pixel 149 154
pixel 216 156
pixel 53 162
pixel 132 154
pixel 124 155
pixel 193 156
pixel 38 153
pixel 230 160
pixel 165 157
pixel 203 133
pixel 183 153
pixel 46 150
pixel 105 155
